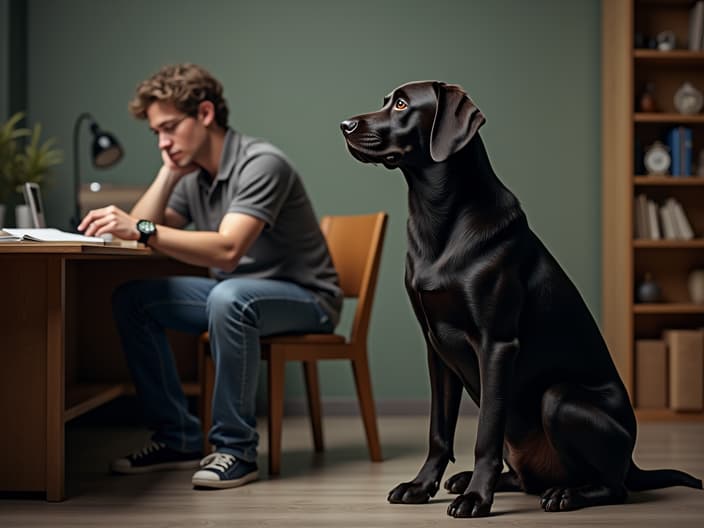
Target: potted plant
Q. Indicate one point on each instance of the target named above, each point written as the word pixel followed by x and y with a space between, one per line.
pixel 24 163
pixel 9 135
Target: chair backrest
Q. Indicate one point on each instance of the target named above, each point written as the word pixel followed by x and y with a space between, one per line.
pixel 355 244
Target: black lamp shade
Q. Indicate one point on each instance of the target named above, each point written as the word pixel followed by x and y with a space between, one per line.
pixel 106 149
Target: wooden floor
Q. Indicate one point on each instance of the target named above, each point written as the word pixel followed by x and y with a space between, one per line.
pixel 339 488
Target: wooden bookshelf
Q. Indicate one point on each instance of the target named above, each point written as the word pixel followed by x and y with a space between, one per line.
pixel 625 260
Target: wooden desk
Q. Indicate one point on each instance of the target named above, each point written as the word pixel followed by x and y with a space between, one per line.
pixel 59 351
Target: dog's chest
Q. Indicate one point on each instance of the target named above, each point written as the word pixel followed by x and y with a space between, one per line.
pixel 441 275
pixel 451 332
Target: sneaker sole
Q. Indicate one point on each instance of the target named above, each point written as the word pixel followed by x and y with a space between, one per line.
pixel 183 464
pixel 223 484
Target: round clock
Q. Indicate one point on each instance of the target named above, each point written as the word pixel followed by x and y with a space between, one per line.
pixel 688 100
pixel 657 158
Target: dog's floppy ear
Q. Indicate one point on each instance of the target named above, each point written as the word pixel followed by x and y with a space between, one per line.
pixel 456 121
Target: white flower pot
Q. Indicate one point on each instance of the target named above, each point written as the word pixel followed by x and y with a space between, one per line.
pixel 23 219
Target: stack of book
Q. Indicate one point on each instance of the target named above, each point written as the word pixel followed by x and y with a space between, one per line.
pixel 670 371
pixel 656 222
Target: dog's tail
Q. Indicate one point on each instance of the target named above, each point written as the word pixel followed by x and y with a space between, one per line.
pixel 638 479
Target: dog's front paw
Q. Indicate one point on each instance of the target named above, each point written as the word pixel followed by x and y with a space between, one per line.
pixel 412 493
pixel 458 483
pixel 469 505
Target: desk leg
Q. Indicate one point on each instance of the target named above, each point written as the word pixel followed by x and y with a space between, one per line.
pixel 55 378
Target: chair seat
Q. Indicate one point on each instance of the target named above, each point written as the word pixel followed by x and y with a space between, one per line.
pixel 304 339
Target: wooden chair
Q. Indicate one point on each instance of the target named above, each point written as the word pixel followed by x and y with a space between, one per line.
pixel 355 244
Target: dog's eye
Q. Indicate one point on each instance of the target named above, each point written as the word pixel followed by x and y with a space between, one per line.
pixel 400 104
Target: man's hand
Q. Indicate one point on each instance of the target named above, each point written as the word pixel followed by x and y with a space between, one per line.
pixel 111 220
pixel 176 167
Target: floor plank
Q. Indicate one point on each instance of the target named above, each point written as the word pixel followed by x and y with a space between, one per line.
pixel 340 487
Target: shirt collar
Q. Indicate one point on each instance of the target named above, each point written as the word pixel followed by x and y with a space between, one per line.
pixel 230 152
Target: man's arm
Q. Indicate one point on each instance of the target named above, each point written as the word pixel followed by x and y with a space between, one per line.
pixel 152 204
pixel 222 249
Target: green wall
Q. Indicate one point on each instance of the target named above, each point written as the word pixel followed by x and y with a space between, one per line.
pixel 294 69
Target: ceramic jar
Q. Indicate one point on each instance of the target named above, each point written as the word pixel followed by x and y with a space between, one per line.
pixel 648 291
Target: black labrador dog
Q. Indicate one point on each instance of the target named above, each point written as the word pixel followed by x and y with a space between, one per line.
pixel 501 319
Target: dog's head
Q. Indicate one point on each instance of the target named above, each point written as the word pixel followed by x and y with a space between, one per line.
pixel 420 122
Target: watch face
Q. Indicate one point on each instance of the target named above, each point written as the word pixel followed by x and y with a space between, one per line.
pixel 146 227
pixel 657 159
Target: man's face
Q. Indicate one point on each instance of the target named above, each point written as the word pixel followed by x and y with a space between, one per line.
pixel 180 135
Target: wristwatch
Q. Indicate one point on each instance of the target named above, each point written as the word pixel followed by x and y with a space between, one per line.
pixel 146 229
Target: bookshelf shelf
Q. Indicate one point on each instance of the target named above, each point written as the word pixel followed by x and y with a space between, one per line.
pixel 668 308
pixel 697 243
pixel 665 181
pixel 667 117
pixel 666 415
pixel 628 74
pixel 674 56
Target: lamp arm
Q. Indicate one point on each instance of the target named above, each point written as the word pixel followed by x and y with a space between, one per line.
pixel 76 166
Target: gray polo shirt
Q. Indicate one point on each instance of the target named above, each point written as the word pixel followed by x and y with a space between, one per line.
pixel 256 178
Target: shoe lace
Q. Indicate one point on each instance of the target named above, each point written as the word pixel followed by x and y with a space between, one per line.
pixel 221 461
pixel 147 449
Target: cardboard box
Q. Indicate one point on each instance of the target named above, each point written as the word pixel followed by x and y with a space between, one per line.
pixel 651 374
pixel 686 365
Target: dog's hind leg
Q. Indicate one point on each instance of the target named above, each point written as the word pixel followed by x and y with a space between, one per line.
pixel 594 448
pixel 508 481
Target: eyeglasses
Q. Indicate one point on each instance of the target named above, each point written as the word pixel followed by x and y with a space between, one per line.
pixel 169 128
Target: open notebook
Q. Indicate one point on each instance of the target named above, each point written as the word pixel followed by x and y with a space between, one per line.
pixel 46 235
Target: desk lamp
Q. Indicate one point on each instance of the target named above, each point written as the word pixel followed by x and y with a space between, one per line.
pixel 106 152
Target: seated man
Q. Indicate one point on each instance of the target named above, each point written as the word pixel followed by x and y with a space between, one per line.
pixel 271 273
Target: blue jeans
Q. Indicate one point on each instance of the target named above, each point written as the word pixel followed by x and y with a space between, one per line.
pixel 236 312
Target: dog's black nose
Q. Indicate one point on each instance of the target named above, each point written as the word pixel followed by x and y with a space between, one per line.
pixel 349 125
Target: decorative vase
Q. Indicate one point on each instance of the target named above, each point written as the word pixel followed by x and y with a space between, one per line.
pixel 648 291
pixel 695 283
pixel 647 99
pixel 688 100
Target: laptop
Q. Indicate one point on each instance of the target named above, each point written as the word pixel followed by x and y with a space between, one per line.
pixel 33 198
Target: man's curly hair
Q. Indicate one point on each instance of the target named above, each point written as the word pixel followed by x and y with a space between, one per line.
pixel 183 85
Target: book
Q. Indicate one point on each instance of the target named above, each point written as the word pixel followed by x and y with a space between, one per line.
pixel 686 369
pixel 679 141
pixel 46 235
pixel 696 26
pixel 654 225
pixel 651 374
pixel 686 151
pixel 682 225
pixel 673 143
pixel 668 223
pixel 642 223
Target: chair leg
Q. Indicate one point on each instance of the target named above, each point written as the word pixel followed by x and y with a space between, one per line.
pixel 207 383
pixel 363 382
pixel 276 411
pixel 310 372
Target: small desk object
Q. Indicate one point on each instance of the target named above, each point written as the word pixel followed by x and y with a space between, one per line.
pixel 59 349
